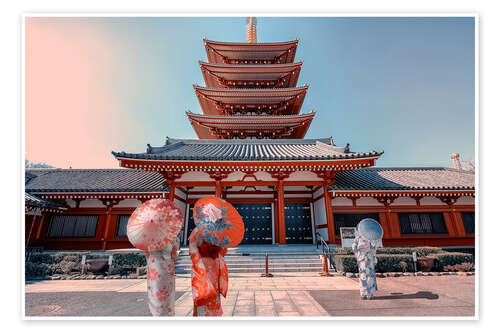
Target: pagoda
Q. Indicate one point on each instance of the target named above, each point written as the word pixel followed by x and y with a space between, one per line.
pixel 251 148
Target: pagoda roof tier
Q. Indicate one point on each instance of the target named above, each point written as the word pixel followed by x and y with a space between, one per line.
pixel 182 155
pixel 219 101
pixel 272 127
pixel 250 76
pixel 250 53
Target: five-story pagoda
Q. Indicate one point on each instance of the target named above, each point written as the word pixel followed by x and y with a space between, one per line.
pixel 251 148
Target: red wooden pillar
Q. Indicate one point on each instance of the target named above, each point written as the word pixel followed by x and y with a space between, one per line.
pixel 394 222
pixel 459 223
pixel 218 188
pixel 450 224
pixel 385 223
pixel 171 195
pixel 329 213
pixel 281 213
pixel 39 229
pixel 107 225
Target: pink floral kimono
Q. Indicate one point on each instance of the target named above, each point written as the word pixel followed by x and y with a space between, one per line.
pixel 161 279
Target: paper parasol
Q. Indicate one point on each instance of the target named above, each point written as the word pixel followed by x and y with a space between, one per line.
pixel 370 229
pixel 218 222
pixel 154 224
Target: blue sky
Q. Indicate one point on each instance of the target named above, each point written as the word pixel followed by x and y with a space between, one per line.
pixel 402 85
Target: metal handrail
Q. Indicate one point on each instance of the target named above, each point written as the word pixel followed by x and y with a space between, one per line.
pixel 324 244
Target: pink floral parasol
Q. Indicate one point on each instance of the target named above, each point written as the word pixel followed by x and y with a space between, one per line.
pixel 154 224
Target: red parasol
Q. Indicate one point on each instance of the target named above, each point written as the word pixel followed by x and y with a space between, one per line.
pixel 154 224
pixel 218 221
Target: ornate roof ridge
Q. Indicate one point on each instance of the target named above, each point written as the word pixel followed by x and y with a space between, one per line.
pixel 295 41
pixel 171 141
pixel 292 64
pixel 302 115
pixel 303 87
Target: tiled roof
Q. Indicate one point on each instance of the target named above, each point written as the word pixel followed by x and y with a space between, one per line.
pixel 95 180
pixel 247 150
pixel 34 201
pixel 218 52
pixel 403 179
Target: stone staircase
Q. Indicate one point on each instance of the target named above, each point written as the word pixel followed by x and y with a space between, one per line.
pixel 252 259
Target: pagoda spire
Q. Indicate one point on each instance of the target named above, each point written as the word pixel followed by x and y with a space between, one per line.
pixel 251 30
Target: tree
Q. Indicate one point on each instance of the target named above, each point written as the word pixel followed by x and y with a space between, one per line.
pixel 28 164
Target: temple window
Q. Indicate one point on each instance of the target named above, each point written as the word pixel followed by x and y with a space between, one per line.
pixel 422 223
pixel 121 226
pixel 73 226
pixel 350 220
pixel 469 222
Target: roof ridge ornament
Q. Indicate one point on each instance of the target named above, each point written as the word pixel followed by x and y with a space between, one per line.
pixel 251 23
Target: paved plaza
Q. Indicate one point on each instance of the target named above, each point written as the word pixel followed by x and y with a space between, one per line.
pixel 249 295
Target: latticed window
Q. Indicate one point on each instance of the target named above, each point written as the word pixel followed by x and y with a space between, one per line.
pixel 73 226
pixel 422 223
pixel 469 222
pixel 121 226
pixel 350 220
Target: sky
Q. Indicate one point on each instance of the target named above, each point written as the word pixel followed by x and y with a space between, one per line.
pixel 404 85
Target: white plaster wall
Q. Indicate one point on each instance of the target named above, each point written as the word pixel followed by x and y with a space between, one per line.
pixel 305 195
pixel 128 203
pixel 179 193
pixel 319 212
pixel 303 175
pixel 324 233
pixel 195 176
pixel 341 201
pixel 235 176
pixel 297 188
pixel 92 203
pixel 365 201
pixel 261 175
pixel 404 201
pixel 250 195
pixel 182 206
pixel 465 201
pixel 431 201
pixel 318 192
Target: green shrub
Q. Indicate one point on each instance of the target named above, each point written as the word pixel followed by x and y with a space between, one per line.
pixel 65 267
pixel 451 258
pixel 42 258
pixel 135 259
pixel 36 269
pixel 392 262
pixel 343 251
pixel 346 263
pixel 386 263
pixel 422 251
pixel 143 270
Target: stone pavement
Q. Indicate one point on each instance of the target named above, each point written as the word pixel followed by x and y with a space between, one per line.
pixel 286 294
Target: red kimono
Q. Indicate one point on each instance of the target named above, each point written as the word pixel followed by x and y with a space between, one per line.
pixel 209 276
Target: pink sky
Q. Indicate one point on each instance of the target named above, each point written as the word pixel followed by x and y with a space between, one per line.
pixel 71 116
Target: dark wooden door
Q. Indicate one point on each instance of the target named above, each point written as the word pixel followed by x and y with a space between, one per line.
pixel 257 219
pixel 258 223
pixel 298 223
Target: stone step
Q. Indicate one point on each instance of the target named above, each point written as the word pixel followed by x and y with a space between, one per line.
pixel 188 266
pixel 261 270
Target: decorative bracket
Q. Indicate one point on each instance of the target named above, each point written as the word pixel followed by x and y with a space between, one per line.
pixel 386 201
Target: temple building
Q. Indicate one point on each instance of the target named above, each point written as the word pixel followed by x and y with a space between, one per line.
pixel 252 152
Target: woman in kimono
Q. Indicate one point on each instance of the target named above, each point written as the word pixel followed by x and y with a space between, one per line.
pixel 364 247
pixel 209 277
pixel 161 279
